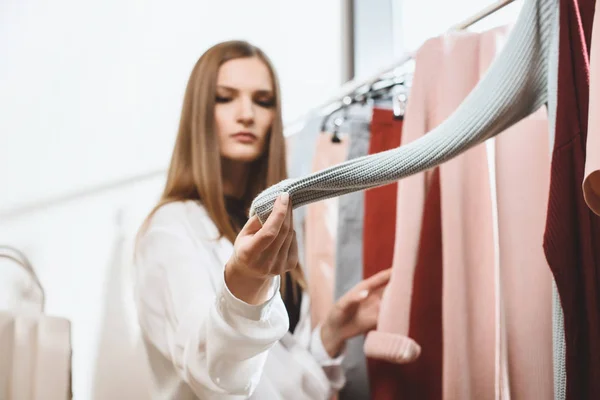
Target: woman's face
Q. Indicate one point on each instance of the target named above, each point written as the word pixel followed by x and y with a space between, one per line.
pixel 244 109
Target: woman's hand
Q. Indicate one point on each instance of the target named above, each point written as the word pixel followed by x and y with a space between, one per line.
pixel 262 252
pixel 355 313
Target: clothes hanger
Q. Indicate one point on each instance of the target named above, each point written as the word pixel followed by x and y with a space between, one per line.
pixel 346 101
pixel 383 88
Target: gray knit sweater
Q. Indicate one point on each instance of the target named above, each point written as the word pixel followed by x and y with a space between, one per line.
pixel 514 87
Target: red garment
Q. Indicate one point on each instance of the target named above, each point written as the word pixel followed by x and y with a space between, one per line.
pixel 378 240
pixel 422 379
pixel 572 237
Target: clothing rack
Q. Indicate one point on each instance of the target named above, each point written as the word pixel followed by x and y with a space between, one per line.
pixel 347 89
pixel 489 10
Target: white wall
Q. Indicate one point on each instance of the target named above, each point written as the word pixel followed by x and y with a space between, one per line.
pixel 82 253
pixel 90 92
pixel 373 36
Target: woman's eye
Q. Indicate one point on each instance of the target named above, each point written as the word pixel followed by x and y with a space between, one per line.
pixel 265 103
pixel 221 99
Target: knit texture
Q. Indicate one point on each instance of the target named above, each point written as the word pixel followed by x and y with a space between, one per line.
pixel 572 236
pixel 558 330
pixel 392 347
pixel 513 88
pixel 559 350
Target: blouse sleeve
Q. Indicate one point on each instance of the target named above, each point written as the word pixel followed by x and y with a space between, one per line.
pixel 217 343
pixel 331 366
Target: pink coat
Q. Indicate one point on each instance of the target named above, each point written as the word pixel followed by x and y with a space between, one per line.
pixel 496 311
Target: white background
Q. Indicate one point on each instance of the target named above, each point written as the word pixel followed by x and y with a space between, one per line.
pixel 90 93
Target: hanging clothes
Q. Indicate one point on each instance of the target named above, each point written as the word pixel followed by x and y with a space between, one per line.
pixel 422 379
pixel 321 232
pixel 558 331
pixel 514 88
pixel 378 238
pixel 522 175
pixel 572 237
pixel 380 203
pixel 473 364
pixel 349 266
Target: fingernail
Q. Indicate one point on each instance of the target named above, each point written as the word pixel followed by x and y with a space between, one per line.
pixel 285 198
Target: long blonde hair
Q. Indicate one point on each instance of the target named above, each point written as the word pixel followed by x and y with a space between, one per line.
pixel 196 155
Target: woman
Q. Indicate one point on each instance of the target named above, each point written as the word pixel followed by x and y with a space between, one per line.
pixel 221 300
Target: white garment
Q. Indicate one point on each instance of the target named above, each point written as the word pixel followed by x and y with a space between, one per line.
pixel 201 341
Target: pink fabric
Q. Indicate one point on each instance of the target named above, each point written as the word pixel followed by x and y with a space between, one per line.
pixel 522 185
pixel 591 183
pixel 321 233
pixel 468 244
pixel 486 354
pixel 522 182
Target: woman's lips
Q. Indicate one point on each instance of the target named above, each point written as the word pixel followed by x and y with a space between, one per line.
pixel 244 137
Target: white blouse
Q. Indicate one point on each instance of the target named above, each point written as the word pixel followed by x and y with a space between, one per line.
pixel 201 341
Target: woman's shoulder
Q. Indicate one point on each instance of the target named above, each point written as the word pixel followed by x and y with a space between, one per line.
pixel 178 216
pixel 176 211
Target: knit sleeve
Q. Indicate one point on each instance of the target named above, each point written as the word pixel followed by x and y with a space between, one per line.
pixel 513 88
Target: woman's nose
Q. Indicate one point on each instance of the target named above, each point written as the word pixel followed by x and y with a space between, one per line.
pixel 246 112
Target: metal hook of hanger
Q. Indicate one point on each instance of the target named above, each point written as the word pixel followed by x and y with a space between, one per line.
pixel 399 101
pixel 339 121
pixel 347 100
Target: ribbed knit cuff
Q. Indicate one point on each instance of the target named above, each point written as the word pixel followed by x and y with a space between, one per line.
pixel 391 347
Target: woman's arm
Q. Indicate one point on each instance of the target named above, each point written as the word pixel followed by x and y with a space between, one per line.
pixel 217 343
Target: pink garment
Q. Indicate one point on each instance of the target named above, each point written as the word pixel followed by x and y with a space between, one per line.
pixel 489 352
pixel 591 183
pixel 321 233
pixel 522 183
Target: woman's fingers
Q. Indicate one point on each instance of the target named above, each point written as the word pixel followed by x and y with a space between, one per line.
pixel 376 281
pixel 370 286
pixel 283 255
pixel 252 226
pixel 270 249
pixel 269 232
pixel 352 298
pixel 293 252
pixel 278 244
